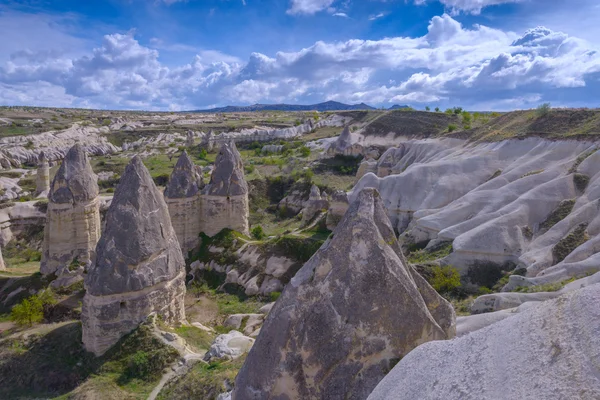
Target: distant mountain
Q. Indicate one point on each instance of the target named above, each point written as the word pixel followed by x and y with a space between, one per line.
pixel 326 106
pixel 397 107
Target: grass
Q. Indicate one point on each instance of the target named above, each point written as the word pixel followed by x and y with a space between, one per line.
pixel 198 339
pixel 423 256
pixel 530 173
pixel 204 381
pixel 581 158
pixel 570 242
pixel 561 212
pixel 546 287
pixel 54 363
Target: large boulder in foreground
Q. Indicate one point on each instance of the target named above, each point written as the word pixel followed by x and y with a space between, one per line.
pixel 225 198
pixel 182 195
pixel 548 351
pixel 139 267
pixel 352 311
pixel 73 217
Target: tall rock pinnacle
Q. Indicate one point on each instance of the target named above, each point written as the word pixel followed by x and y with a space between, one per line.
pixel 182 195
pixel 139 267
pixel 352 311
pixel 42 179
pixel 225 198
pixel 73 217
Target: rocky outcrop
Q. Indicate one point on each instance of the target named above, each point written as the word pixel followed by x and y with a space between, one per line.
pixel 18 150
pixel 139 267
pixel 225 198
pixel 73 217
pixel 2 265
pixel 42 178
pixel 229 346
pixel 549 351
pixel 347 316
pixel 531 203
pixel 182 195
pixel 314 205
pixel 338 205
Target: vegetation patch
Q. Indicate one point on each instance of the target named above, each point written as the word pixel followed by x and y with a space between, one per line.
pixel 301 249
pixel 487 274
pixel 546 287
pixel 581 158
pixel 561 212
pixel 49 364
pixel 581 182
pixel 204 381
pixel 426 255
pixel 573 240
pixel 539 171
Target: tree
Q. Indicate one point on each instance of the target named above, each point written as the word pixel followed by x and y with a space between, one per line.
pixel 543 109
pixel 437 109
pixel 427 108
pixel 258 233
pixel 31 310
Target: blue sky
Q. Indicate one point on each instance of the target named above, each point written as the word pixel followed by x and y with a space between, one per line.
pixel 181 55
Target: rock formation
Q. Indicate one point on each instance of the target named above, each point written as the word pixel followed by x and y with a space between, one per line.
pixel 338 205
pixel 42 179
pixel 73 217
pixel 313 205
pixel 225 198
pixel 2 265
pixel 182 195
pixel 548 351
pixel 139 267
pixel 354 309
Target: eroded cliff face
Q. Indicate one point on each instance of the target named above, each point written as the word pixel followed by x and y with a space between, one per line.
pixel 225 198
pixel 73 217
pixel 182 195
pixel 352 310
pixel 531 203
pixel 139 266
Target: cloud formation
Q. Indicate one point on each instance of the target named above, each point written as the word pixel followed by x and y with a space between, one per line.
pixel 469 6
pixel 450 64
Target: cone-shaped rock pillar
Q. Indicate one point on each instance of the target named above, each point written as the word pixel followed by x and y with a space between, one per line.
pixel 73 217
pixel 352 311
pixel 182 195
pixel 225 198
pixel 139 267
pixel 42 178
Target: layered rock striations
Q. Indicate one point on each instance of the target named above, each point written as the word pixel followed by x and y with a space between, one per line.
pixel 139 266
pixel 225 198
pixel 530 203
pixel 42 178
pixel 182 195
pixel 547 351
pixel 73 217
pixel 348 315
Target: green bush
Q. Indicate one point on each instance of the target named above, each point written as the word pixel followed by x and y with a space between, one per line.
pixel 445 279
pixel 258 233
pixel 304 151
pixel 31 310
pixel 451 128
pixel 275 296
pixel 543 109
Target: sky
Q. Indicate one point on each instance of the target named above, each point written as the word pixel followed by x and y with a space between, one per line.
pixel 175 55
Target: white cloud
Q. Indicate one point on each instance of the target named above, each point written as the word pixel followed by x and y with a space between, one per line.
pixel 469 6
pixel 341 14
pixel 450 64
pixel 376 16
pixel 308 6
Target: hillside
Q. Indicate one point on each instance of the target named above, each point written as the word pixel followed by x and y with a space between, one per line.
pixel 326 106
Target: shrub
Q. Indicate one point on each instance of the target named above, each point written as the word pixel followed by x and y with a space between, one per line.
pixel 249 168
pixel 445 279
pixel 427 108
pixel 543 109
pixel 448 111
pixel 258 233
pixel 451 128
pixel 466 118
pixel 31 310
pixel 161 180
pixel 202 154
pixel 437 109
pixel 457 110
pixel 304 151
pixel 275 296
